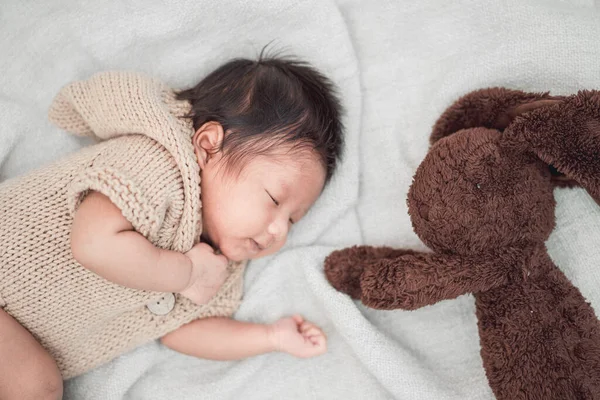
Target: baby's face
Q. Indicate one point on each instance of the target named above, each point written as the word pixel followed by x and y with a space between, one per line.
pixel 248 215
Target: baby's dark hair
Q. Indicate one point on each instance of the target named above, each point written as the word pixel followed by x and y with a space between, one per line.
pixel 265 103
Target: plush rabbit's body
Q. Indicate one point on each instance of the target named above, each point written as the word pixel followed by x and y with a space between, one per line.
pixel 539 338
pixel 482 200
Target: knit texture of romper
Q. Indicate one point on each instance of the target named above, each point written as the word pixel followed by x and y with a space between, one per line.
pixel 145 163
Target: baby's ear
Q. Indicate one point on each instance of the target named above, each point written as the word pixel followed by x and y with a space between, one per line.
pixel 488 108
pixel 565 135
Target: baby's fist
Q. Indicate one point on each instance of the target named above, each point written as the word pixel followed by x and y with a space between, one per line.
pixel 298 337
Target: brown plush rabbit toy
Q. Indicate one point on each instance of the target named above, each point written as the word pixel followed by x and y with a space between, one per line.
pixel 482 200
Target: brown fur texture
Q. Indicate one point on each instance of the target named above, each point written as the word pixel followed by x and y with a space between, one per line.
pixel 482 200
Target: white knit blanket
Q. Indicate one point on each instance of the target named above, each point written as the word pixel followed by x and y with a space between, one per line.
pixel 398 65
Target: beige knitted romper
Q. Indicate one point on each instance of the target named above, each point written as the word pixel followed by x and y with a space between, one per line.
pixel 146 165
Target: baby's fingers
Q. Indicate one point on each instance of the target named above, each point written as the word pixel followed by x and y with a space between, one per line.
pixel 312 331
pixel 315 337
pixel 306 325
pixel 308 329
pixel 320 341
pixel 318 346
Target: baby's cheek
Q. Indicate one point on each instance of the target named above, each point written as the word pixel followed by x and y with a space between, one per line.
pixel 260 219
pixel 241 218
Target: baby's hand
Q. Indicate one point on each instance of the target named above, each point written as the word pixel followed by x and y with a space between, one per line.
pixel 298 337
pixel 209 272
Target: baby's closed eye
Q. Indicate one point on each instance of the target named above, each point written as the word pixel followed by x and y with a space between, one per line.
pixel 272 198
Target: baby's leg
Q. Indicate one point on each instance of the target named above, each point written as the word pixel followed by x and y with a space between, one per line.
pixel 27 371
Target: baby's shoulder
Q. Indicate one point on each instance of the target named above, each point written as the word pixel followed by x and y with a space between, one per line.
pixel 139 176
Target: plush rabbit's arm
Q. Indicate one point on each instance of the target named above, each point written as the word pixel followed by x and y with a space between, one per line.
pixel 415 280
pixel 343 268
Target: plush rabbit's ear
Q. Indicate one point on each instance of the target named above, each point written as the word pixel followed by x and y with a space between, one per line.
pixel 489 108
pixel 565 135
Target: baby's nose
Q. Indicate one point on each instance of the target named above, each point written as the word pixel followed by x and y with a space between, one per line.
pixel 278 229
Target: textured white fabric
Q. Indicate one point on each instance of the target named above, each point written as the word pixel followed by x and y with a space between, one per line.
pixel 398 65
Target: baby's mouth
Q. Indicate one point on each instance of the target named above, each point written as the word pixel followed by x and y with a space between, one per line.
pixel 256 245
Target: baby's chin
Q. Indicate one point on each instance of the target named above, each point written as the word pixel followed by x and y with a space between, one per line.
pixel 232 249
pixel 235 253
pixel 240 251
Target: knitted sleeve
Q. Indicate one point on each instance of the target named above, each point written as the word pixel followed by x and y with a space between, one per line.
pixel 109 104
pixel 139 176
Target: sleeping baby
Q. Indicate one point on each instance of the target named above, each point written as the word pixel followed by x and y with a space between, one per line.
pixel 144 234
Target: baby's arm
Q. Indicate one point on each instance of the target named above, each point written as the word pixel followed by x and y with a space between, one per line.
pixel 228 339
pixel 104 241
